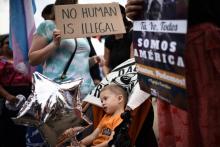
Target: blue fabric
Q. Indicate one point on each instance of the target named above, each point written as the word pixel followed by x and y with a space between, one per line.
pixel 79 67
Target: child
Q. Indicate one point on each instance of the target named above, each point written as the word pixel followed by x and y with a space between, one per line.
pixel 114 99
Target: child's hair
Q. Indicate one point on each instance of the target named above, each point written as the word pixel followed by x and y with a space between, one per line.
pixel 117 89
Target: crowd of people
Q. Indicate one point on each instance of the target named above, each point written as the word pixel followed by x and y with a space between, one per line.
pixel 196 126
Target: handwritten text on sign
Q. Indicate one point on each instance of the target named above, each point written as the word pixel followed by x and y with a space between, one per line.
pixel 84 20
pixel 162 26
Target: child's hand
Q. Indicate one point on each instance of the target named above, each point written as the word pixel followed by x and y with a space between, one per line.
pixel 68 134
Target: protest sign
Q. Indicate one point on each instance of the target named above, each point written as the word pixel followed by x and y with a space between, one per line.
pixel 124 75
pixel 159 43
pixel 86 20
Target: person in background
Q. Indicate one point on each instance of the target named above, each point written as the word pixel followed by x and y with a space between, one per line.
pixel 114 99
pixel 12 83
pixel 118 46
pixel 47 12
pixel 199 124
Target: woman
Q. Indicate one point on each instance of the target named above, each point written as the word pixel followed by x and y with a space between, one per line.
pixel 117 47
pixel 48 49
pixel 12 83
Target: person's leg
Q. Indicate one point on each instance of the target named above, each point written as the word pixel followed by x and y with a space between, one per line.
pixel 146 137
pixel 138 116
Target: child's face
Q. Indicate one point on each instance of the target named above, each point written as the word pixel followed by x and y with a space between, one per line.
pixel 110 101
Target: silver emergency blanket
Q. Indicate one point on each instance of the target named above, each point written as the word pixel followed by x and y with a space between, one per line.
pixel 17 105
pixel 124 75
pixel 52 107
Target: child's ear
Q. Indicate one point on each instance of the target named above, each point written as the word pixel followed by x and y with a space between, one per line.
pixel 120 98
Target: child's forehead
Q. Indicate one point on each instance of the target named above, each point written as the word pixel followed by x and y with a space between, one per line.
pixel 105 91
pixel 108 92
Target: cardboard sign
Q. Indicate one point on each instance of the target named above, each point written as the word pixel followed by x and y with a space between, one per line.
pixel 85 20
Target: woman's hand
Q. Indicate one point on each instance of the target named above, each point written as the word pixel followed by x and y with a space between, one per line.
pixel 56 37
pixel 96 60
pixel 135 9
pixel 11 98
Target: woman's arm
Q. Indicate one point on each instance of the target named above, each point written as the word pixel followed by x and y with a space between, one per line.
pixel 96 60
pixel 89 139
pixel 40 49
pixel 106 68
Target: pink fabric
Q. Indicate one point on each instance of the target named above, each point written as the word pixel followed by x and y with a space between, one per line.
pixel 200 125
pixel 10 77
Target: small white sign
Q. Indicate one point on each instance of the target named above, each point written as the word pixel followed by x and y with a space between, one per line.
pixel 163 26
